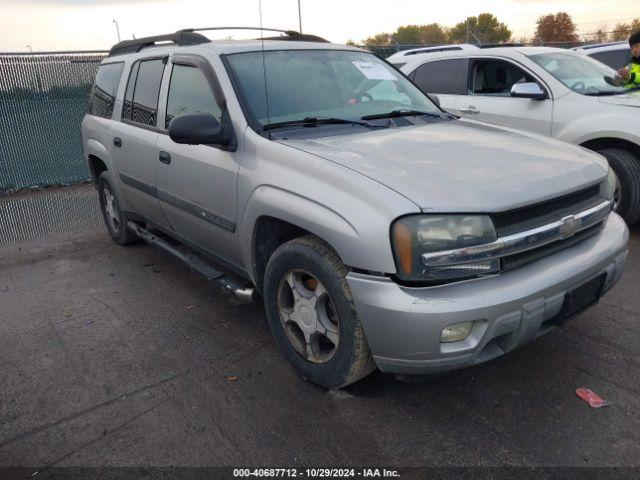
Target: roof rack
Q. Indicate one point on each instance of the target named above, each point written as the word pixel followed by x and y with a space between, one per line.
pixel 189 36
pixel 289 34
pixel 181 38
pixel 499 45
pixel 589 46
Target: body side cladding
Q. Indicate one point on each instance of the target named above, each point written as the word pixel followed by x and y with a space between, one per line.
pixel 180 203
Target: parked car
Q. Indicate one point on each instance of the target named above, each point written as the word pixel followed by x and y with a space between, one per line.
pixel 378 229
pixel 613 54
pixel 548 91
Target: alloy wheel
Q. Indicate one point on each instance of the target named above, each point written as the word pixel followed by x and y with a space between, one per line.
pixel 308 316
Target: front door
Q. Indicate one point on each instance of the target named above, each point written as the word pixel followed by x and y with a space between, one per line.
pixel 196 184
pixel 490 99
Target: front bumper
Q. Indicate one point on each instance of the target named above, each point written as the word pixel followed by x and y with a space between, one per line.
pixel 403 325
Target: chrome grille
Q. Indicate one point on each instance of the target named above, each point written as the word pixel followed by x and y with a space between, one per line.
pixel 533 216
pixel 518 260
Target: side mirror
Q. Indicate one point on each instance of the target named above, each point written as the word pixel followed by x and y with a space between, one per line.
pixel 528 90
pixel 197 129
pixel 434 99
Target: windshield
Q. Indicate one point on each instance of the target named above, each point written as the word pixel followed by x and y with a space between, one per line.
pixel 322 84
pixel 579 72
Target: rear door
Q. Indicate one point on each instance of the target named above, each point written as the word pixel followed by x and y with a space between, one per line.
pixel 196 184
pixel 133 142
pixel 490 100
pixel 447 79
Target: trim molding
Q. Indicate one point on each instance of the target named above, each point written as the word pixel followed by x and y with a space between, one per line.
pixel 180 203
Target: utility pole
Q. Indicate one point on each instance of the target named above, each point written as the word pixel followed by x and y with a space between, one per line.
pixel 117 29
pixel 38 79
pixel 299 17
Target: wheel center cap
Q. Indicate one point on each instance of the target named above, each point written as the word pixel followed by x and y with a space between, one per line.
pixel 306 316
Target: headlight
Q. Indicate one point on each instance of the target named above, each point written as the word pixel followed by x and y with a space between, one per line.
pixel 415 235
pixel 610 186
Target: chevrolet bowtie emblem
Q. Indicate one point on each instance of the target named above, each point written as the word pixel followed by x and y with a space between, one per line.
pixel 569 226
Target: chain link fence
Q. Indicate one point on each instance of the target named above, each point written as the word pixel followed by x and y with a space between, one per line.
pixel 42 102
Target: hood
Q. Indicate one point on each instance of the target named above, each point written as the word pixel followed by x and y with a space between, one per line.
pixel 631 99
pixel 462 165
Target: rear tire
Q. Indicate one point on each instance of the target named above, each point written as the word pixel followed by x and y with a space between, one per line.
pixel 307 297
pixel 114 219
pixel 626 166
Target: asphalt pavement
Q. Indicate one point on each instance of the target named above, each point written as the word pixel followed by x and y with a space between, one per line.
pixel 120 356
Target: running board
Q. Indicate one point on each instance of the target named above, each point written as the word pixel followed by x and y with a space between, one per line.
pixel 221 280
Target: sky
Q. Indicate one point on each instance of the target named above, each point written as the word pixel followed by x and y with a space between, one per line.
pixel 48 25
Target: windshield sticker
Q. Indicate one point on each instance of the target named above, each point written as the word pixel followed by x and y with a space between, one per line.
pixel 374 71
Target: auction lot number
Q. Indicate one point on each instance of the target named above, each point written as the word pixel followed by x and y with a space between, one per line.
pixel 316 472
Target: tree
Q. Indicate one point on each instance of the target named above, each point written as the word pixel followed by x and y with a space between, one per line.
pixel 623 31
pixel 485 28
pixel 379 39
pixel 600 35
pixel 420 35
pixel 556 28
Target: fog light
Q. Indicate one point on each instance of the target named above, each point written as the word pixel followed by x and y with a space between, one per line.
pixel 456 332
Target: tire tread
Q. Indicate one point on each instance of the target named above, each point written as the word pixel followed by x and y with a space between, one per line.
pixel 627 168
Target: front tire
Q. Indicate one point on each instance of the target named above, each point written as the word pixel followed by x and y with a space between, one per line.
pixel 114 219
pixel 312 316
pixel 626 166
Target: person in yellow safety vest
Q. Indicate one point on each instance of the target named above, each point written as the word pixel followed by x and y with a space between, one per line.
pixel 630 75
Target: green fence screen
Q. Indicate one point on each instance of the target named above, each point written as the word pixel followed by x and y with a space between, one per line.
pixel 42 102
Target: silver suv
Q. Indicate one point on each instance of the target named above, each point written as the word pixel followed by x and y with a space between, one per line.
pixel 379 230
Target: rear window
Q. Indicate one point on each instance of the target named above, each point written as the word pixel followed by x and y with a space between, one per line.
pixel 443 77
pixel 615 59
pixel 143 90
pixel 103 94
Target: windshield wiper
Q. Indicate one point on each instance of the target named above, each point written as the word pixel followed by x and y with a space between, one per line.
pixel 604 93
pixel 312 121
pixel 400 113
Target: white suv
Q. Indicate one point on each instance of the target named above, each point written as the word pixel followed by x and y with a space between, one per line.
pixel 549 91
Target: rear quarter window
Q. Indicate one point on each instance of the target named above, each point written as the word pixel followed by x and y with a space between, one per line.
pixel 443 76
pixel 103 93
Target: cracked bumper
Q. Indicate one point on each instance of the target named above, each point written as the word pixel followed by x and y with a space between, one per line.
pixel 403 325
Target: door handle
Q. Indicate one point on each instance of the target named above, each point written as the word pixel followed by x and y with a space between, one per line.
pixel 117 141
pixel 470 109
pixel 164 157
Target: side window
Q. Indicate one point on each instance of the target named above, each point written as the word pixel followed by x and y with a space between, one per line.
pixel 189 92
pixel 615 59
pixel 128 95
pixel 103 94
pixel 443 77
pixel 495 77
pixel 143 90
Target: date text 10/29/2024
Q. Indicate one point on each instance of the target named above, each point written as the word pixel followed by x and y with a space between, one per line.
pixel 316 472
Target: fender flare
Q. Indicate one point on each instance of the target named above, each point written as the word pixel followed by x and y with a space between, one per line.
pixel 96 149
pixel 303 212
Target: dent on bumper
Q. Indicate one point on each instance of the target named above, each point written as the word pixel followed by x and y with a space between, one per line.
pixel 403 325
